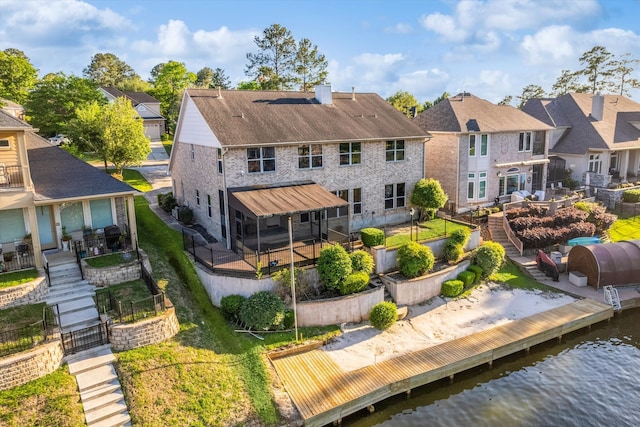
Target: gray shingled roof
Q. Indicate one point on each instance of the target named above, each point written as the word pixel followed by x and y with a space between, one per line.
pixel 7 121
pixel 135 97
pixel 573 110
pixel 57 174
pixel 469 113
pixel 241 118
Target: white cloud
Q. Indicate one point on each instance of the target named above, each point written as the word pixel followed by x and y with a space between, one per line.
pixel 400 28
pixel 551 44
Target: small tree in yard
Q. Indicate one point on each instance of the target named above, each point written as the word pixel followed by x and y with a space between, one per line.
pixel 334 265
pixel 490 257
pixel 428 195
pixel 414 259
pixel 263 311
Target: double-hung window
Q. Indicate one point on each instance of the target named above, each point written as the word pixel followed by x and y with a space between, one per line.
pixel 357 201
pixel 310 156
pixel 472 145
pixel 476 185
pixel 478 143
pixel 484 145
pixel 524 143
pixel 471 185
pixel 261 159
pixel 220 161
pixel 350 153
pixel 344 195
pixel 595 163
pixel 394 196
pixel 394 150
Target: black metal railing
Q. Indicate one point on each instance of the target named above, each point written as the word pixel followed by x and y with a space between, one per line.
pixel 26 337
pixel 84 339
pixel 20 258
pixel 11 176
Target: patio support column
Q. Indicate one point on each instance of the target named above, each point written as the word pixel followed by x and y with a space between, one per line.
pixel 258 233
pixel 133 228
pixel 623 158
pixel 35 236
pixel 636 163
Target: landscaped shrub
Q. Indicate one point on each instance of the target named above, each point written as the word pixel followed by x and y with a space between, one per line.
pixel 372 237
pixel 517 213
pixel 477 271
pixel 263 311
pixel 361 261
pixel 185 215
pixel 289 319
pixel 452 252
pixel 355 282
pixel 467 277
pixel 231 305
pixel 167 202
pixel 460 236
pixel 489 257
pixel 334 265
pixel 383 315
pixel 414 259
pixel 568 216
pixel 451 288
pixel 631 196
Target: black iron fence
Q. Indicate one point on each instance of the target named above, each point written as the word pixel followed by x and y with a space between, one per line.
pixel 11 176
pixel 20 258
pixel 84 339
pixel 26 337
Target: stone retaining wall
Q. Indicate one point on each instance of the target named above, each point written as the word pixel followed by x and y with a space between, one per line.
pixel 107 276
pixel 19 369
pixel 146 332
pixel 609 197
pixel 27 293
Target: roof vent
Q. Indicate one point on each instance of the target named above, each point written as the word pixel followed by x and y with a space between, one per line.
pixel 353 93
pixel 219 92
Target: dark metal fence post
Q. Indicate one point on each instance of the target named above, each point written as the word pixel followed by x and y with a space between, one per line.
pixel 133 315
pixel 268 261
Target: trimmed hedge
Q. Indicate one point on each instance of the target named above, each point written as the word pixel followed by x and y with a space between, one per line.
pixel 383 315
pixel 631 196
pixel 334 265
pixel 477 270
pixel 231 304
pixel 414 260
pixel 490 257
pixel 452 252
pixel 372 237
pixel 452 288
pixel 467 277
pixel 460 236
pixel 355 282
pixel 361 261
pixel 263 311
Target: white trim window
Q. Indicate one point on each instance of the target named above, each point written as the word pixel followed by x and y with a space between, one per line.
pixel 310 156
pixel 511 182
pixel 394 150
pixel 484 145
pixel 357 201
pixel 344 195
pixel 482 186
pixel 350 153
pixel 5 144
pixel 524 142
pixel 220 161
pixel 395 196
pixel 472 146
pixel 260 160
pixel 471 186
pixel 595 163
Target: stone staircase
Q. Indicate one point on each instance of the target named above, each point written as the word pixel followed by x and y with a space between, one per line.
pixel 100 390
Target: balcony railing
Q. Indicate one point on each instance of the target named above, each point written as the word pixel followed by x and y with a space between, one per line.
pixel 11 176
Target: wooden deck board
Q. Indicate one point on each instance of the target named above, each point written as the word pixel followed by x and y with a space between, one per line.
pixel 324 393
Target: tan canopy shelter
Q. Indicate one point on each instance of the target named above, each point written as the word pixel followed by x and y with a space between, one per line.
pixel 616 264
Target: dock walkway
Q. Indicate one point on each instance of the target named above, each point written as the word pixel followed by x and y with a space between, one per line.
pixel 324 393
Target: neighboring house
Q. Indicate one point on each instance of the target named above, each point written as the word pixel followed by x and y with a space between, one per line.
pixel 480 151
pixel 10 107
pixel 148 109
pixel 334 162
pixel 43 189
pixel 592 133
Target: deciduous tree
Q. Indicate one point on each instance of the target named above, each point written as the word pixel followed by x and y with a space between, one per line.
pixel 169 80
pixel 405 103
pixel 428 195
pixel 208 78
pixel 17 75
pixel 429 104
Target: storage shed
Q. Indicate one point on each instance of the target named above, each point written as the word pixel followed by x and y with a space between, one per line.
pixel 616 264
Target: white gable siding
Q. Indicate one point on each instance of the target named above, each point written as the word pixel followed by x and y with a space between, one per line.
pixel 194 129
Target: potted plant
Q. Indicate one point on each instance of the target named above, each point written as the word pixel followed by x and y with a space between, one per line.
pixel 66 239
pixel 27 239
pixel 7 256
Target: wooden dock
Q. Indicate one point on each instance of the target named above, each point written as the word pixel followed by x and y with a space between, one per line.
pixel 324 393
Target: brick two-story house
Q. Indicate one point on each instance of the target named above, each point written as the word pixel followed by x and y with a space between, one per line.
pixel 44 189
pixel 333 162
pixel 480 151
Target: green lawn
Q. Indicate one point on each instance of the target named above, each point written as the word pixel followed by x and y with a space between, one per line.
pixel 52 400
pixel 134 179
pixel 17 317
pixel 207 374
pixel 167 144
pixel 427 230
pixel 625 229
pixel 16 278
pixel 110 260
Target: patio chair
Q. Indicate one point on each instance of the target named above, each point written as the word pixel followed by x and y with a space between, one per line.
pixel 4 175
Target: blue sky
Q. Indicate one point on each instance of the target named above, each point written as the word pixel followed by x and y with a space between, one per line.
pixel 491 48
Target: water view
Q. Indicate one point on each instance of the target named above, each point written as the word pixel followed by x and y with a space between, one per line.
pixel 590 379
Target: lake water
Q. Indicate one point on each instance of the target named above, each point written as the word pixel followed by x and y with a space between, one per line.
pixel 590 379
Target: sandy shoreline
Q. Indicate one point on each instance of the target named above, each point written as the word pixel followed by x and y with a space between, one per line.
pixel 440 320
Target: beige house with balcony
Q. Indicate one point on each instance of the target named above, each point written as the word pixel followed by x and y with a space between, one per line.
pixel 246 161
pixel 45 190
pixel 594 134
pixel 482 152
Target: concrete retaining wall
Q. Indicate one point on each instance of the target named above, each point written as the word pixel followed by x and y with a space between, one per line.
pixel 219 287
pixel 385 258
pixel 26 366
pixel 350 308
pixel 146 332
pixel 421 289
pixel 27 293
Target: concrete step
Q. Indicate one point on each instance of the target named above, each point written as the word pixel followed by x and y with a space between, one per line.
pixel 81 293
pixel 90 359
pixel 99 402
pixel 72 321
pixel 106 412
pixel 117 420
pixel 96 377
pixel 76 304
pixel 101 390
